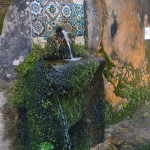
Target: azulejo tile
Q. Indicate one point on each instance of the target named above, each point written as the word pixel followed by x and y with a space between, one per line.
pixel 44 2
pixel 49 30
pixel 38 28
pixel 40 1
pixel 52 9
pixel 79 30
pixel 78 19
pixel 47 14
pixel 68 27
pixel 66 11
pixel 79 8
pixel 36 8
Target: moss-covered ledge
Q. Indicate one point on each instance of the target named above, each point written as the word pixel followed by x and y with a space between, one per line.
pixel 44 93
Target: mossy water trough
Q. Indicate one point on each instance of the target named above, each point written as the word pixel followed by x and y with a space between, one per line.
pixel 53 99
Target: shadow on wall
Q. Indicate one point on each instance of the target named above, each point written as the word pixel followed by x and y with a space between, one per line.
pixel 114 28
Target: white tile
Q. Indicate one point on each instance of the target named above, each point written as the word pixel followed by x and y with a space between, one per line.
pixel 78 1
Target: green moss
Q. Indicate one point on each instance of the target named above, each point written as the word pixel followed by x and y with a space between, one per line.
pixel 143 147
pixel 49 52
pixel 109 63
pixel 2 16
pixel 135 76
pixel 80 50
pixel 72 107
pixel 147 54
pixel 39 90
pixel 3 11
pixel 137 97
pixel 46 146
pixel 134 90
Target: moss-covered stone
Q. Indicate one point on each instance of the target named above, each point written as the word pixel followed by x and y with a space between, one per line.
pixel 147 54
pixel 3 9
pixel 143 147
pixel 128 84
pixel 45 94
pixel 109 63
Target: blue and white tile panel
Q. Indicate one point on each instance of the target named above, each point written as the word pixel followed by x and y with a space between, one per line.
pixel 47 14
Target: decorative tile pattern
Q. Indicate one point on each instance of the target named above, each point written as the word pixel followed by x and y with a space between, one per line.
pixel 52 9
pixel 38 27
pixel 47 14
pixel 36 8
pixel 66 11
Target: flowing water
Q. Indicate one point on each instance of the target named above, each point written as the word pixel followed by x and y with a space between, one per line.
pixel 73 59
pixel 65 125
pixel 68 43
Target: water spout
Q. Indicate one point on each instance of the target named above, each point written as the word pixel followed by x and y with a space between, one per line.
pixel 68 42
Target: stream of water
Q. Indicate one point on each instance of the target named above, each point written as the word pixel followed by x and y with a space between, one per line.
pixel 70 50
pixel 65 125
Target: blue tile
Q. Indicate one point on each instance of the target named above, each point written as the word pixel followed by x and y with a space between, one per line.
pixel 47 13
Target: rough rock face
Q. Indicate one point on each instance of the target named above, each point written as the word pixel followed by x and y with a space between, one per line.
pixel 121 27
pixel 15 41
pixel 111 96
pixel 122 30
pixel 4 144
pixel 128 134
pixel 8 120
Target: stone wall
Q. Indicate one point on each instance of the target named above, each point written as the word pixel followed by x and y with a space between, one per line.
pixel 122 25
pixel 121 28
pixel 15 41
